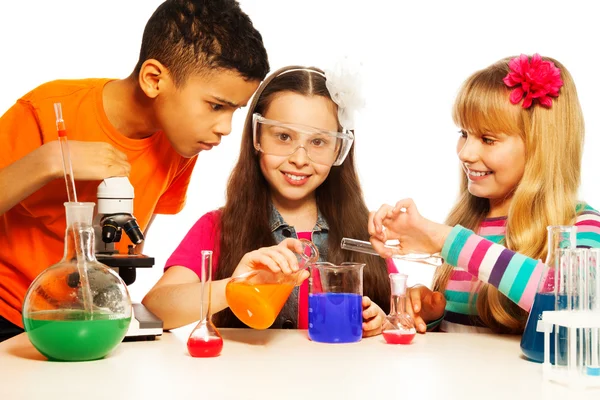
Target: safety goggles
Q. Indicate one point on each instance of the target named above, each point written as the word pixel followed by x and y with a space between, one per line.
pixel 281 139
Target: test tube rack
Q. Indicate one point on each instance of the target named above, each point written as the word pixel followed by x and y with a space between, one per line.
pixel 575 320
pixel 582 369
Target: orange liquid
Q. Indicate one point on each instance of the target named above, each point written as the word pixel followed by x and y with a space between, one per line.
pixel 257 305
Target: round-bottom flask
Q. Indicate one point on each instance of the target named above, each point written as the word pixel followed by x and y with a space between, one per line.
pixel 77 309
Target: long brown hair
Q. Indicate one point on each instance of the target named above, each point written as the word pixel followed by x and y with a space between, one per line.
pixel 245 216
pixel 547 192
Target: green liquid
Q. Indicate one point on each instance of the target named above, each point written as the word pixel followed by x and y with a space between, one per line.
pixel 70 336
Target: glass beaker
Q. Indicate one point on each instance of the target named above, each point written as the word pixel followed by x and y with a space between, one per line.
pixel 335 302
pixel 532 341
pixel 257 297
pixel 399 327
pixel 77 309
pixel 205 340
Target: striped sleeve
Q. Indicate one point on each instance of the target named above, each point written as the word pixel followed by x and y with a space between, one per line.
pixel 514 274
pixel 588 228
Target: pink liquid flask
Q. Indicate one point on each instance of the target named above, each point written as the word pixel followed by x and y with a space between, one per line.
pixel 399 327
pixel 205 340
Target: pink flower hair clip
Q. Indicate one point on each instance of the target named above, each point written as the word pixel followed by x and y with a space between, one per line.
pixel 534 79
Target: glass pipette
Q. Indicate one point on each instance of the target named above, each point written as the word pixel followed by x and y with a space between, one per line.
pixel 66 155
pixel 72 197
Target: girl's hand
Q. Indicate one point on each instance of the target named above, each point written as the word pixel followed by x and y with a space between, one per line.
pixel 373 318
pixel 279 258
pixel 403 222
pixel 424 306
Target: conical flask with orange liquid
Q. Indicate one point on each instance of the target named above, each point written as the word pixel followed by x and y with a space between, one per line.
pixel 257 297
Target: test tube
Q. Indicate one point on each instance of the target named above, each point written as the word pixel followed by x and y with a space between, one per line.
pixel 562 287
pixel 582 304
pixel 593 365
pixel 362 246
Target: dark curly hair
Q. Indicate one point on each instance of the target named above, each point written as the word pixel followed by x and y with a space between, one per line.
pixel 190 36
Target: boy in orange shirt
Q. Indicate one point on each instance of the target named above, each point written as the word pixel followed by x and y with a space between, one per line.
pixel 200 61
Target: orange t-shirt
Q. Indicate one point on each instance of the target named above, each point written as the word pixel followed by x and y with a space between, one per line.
pixel 32 233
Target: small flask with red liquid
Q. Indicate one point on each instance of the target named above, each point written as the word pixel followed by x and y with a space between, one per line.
pixel 399 327
pixel 205 340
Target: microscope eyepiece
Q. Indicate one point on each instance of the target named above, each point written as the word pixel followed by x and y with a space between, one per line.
pixel 134 232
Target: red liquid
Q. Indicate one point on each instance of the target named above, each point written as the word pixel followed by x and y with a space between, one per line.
pixel 396 337
pixel 201 347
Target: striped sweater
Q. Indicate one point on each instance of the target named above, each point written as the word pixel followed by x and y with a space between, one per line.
pixel 481 258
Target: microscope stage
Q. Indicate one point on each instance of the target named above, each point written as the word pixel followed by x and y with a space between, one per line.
pixel 125 260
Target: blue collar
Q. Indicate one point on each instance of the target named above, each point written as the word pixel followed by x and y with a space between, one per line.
pixel 276 220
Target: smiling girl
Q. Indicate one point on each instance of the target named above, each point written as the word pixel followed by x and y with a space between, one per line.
pixel 295 178
pixel 520 146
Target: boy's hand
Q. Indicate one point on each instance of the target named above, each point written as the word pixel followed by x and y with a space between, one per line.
pixel 373 317
pixel 279 258
pixel 91 160
pixel 424 306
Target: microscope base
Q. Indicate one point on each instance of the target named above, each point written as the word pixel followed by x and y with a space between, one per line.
pixel 144 325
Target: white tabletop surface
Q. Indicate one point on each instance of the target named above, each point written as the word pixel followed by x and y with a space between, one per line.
pixel 284 364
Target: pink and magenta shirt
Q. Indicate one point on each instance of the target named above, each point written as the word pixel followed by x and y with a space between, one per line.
pixel 205 235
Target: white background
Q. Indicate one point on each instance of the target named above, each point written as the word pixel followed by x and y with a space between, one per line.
pixel 416 55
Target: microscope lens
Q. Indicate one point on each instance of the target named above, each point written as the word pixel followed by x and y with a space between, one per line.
pixel 133 231
pixel 109 231
pixel 117 237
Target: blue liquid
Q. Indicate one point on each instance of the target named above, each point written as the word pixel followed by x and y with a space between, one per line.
pixel 335 317
pixel 532 342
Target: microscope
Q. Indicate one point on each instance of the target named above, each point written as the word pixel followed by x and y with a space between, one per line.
pixel 115 216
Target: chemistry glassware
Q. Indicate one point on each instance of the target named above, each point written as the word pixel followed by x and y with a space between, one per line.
pixel 258 296
pixel 592 356
pixel 205 340
pixel 570 267
pixel 77 309
pixel 362 246
pixel 66 154
pixel 399 327
pixel 576 321
pixel 532 341
pixel 335 302
pixel 593 285
pixel 576 283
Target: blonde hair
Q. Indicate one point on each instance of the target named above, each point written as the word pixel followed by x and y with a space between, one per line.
pixel 547 192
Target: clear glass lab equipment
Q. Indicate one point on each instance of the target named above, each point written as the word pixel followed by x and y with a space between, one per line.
pixel 362 246
pixel 257 297
pixel 205 340
pixel 575 326
pixel 77 309
pixel 532 341
pixel 399 327
pixel 335 302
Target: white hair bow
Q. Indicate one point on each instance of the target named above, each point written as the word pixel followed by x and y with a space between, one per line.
pixel 345 87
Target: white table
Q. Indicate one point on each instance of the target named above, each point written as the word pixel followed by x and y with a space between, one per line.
pixel 284 364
